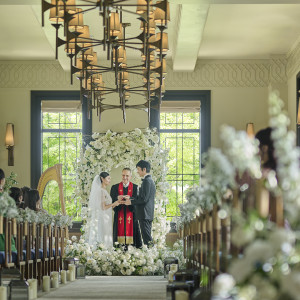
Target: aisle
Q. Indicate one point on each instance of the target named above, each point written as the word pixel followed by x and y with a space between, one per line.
pixel 111 288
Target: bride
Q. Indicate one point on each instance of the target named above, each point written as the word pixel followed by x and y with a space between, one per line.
pixel 99 223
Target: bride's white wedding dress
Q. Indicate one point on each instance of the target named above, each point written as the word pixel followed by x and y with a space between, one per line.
pixel 99 223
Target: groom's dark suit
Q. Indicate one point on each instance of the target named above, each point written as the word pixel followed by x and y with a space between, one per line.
pixel 144 204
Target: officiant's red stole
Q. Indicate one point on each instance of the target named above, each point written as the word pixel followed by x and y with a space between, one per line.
pixel 125 229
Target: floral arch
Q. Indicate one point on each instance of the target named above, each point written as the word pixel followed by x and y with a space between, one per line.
pixel 112 150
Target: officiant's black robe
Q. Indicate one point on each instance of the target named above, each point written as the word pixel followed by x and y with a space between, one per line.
pixel 114 193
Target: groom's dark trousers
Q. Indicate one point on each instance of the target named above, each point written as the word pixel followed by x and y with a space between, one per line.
pixel 144 204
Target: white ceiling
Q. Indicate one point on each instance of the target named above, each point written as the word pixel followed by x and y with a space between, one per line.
pixel 250 31
pixel 199 29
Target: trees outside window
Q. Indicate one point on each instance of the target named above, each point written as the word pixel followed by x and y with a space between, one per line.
pixel 61 144
pixel 180 132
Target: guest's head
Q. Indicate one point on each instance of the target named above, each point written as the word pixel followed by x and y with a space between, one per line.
pixel 126 175
pixel 17 195
pixel 2 180
pixel 33 198
pixel 25 192
pixel 39 203
pixel 143 167
pixel 266 148
pixel 105 178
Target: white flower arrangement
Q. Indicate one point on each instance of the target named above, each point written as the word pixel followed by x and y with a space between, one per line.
pixel 8 206
pixel 219 172
pixel 112 150
pixel 115 261
pixel 241 151
pixel 269 268
pixel 62 221
pixel 27 215
pixel 287 157
pixel 43 217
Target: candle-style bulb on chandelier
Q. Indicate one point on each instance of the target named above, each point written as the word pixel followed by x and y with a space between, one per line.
pixel 152 43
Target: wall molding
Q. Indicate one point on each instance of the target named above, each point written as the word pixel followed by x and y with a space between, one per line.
pixel 207 74
pixel 293 59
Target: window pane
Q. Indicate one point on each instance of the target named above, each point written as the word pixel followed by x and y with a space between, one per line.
pixel 179 120
pixel 62 120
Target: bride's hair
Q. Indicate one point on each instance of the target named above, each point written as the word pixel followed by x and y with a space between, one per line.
pixel 103 175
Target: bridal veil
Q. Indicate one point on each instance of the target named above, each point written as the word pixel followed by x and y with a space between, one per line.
pixel 97 227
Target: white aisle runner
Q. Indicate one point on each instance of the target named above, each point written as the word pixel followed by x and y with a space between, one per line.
pixel 111 288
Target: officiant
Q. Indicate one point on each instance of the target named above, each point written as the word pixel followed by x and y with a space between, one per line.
pixel 125 229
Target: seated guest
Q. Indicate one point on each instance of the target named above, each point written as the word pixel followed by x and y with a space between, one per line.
pixel 17 195
pixel 2 236
pixel 33 199
pixel 2 180
pixel 39 205
pixel 25 191
pixel 266 150
pixel 268 163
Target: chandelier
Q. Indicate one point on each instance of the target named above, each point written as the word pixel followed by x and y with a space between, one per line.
pixel 151 43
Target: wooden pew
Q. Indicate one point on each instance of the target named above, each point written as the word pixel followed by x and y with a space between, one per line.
pixel 207 239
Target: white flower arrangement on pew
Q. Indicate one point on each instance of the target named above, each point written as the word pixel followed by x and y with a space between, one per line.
pixel 221 171
pixel 270 266
pixel 43 217
pixel 287 158
pixel 62 221
pixel 8 206
pixel 116 261
pixel 112 150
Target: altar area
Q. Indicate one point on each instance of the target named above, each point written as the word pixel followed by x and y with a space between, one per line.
pixel 108 152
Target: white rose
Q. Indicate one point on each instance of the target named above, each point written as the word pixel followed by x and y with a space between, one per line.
pixel 74 238
pixel 241 237
pixel 222 286
pixel 290 284
pixel 90 261
pixel 281 236
pixel 128 272
pixel 258 251
pixel 240 269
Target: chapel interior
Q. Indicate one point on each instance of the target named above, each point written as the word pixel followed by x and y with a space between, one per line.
pixel 232 51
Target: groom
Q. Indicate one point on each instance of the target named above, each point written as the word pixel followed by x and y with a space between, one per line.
pixel 144 202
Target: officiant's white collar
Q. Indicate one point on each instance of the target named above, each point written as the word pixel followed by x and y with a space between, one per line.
pixel 125 185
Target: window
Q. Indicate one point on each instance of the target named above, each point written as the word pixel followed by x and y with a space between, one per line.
pixel 61 144
pixel 180 132
pixel 185 130
pixel 58 125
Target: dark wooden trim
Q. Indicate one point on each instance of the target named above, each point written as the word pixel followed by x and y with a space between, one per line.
pixel 297 105
pixel 36 136
pixel 154 114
